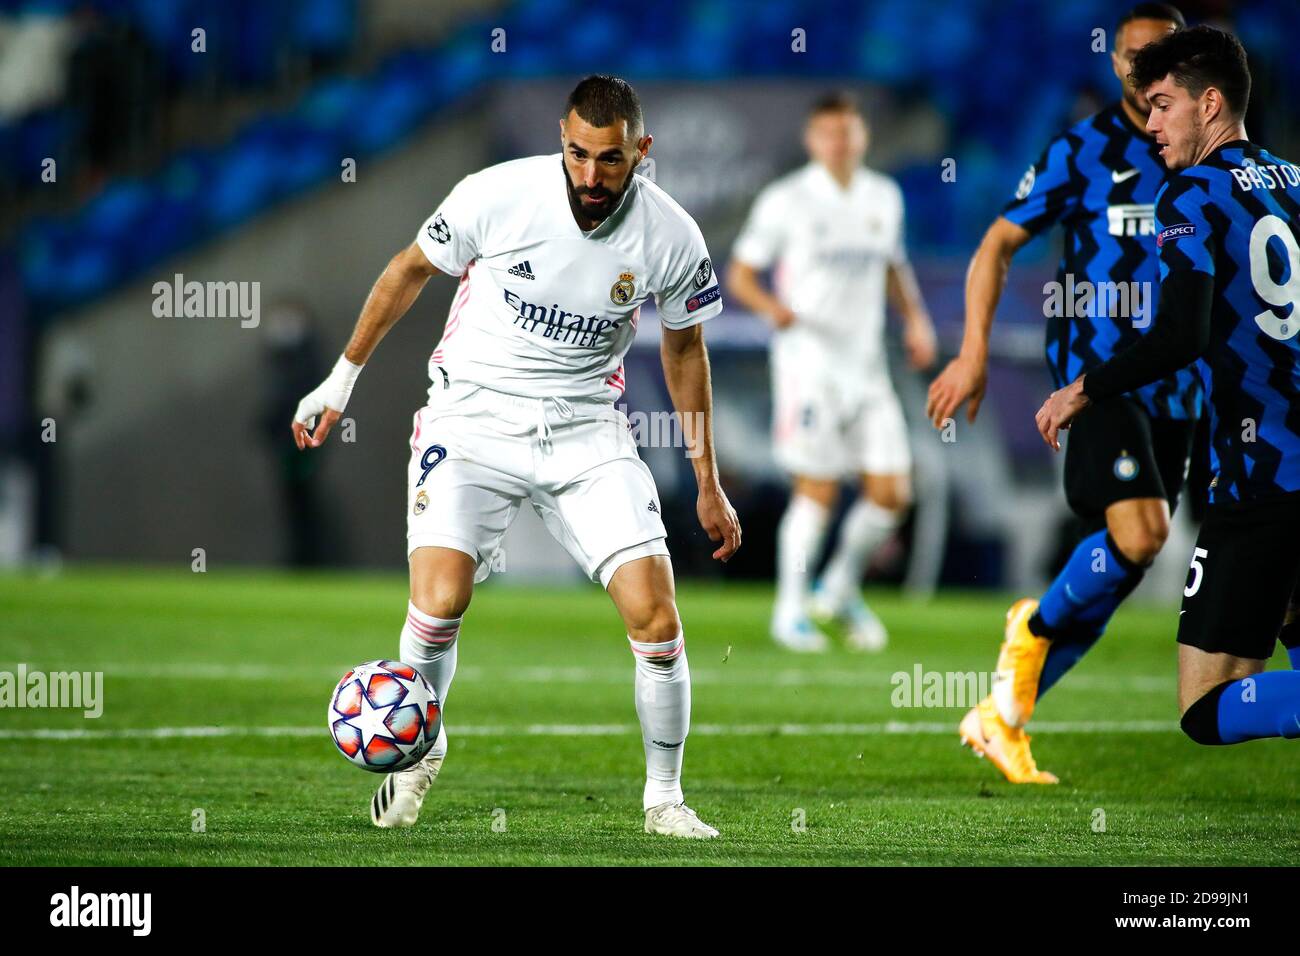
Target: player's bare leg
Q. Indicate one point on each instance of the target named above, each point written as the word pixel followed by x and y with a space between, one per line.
pixel 1200 672
pixel 1226 699
pixel 644 593
pixel 799 540
pixel 1140 526
pixel 442 582
pixel 873 518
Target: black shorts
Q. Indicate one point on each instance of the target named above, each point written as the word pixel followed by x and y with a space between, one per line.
pixel 1116 451
pixel 1242 576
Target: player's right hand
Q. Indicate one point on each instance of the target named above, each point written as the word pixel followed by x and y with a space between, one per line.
pixel 963 380
pixel 326 401
pixel 303 434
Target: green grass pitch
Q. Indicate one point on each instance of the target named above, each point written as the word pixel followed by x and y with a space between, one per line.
pixel 548 769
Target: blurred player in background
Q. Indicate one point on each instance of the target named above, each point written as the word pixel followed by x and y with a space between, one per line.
pixel 833 231
pixel 555 256
pixel 1229 237
pixel 1126 464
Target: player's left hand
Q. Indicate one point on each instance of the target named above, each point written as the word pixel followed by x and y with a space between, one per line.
pixel 719 521
pixel 920 344
pixel 1060 410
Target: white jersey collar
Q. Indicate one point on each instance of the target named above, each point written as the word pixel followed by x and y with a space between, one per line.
pixel 822 179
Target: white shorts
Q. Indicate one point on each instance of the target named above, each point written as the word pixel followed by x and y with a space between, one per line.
pixel 477 454
pixel 819 431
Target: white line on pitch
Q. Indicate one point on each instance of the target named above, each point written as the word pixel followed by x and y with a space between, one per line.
pixel 602 730
pixel 739 676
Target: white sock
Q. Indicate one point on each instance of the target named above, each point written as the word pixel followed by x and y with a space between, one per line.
pixel 663 705
pixel 866 527
pixel 429 645
pixel 799 540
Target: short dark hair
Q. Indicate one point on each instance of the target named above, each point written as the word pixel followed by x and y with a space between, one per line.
pixel 1152 11
pixel 836 101
pixel 603 100
pixel 1197 59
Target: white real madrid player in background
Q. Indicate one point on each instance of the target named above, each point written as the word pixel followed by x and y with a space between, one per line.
pixel 833 233
pixel 555 256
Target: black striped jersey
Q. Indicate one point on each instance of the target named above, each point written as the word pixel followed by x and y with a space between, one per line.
pixel 1099 180
pixel 1235 216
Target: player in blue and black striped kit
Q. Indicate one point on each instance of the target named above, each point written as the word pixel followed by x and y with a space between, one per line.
pixel 1125 467
pixel 1229 235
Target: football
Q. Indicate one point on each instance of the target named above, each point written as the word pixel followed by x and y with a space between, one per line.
pixel 383 716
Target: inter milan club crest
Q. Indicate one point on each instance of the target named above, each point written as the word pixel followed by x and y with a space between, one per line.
pixel 623 289
pixel 1126 467
pixel 421 502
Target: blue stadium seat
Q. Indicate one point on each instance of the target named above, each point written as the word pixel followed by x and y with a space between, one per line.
pixel 1002 104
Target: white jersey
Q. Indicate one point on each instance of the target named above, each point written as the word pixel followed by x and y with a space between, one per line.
pixel 545 310
pixel 830 248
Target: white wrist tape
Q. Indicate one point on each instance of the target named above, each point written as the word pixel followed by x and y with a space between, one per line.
pixel 331 393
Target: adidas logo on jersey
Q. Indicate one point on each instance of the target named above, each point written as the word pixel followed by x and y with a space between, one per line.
pixel 523 270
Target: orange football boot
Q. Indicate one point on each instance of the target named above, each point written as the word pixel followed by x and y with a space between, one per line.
pixel 1020 665
pixel 985 732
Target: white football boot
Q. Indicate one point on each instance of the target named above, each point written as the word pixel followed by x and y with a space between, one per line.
pixel 865 633
pixel 398 800
pixel 798 635
pixel 678 820
pixel 863 630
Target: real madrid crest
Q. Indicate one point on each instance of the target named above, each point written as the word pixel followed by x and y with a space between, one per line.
pixel 623 290
pixel 421 502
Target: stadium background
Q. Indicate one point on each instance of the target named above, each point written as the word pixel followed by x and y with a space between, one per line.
pixel 228 165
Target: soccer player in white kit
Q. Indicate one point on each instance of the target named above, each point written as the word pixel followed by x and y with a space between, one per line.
pixel 555 256
pixel 832 231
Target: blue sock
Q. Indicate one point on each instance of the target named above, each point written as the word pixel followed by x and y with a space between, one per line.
pixel 1061 656
pixel 1088 589
pixel 1080 603
pixel 1265 705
